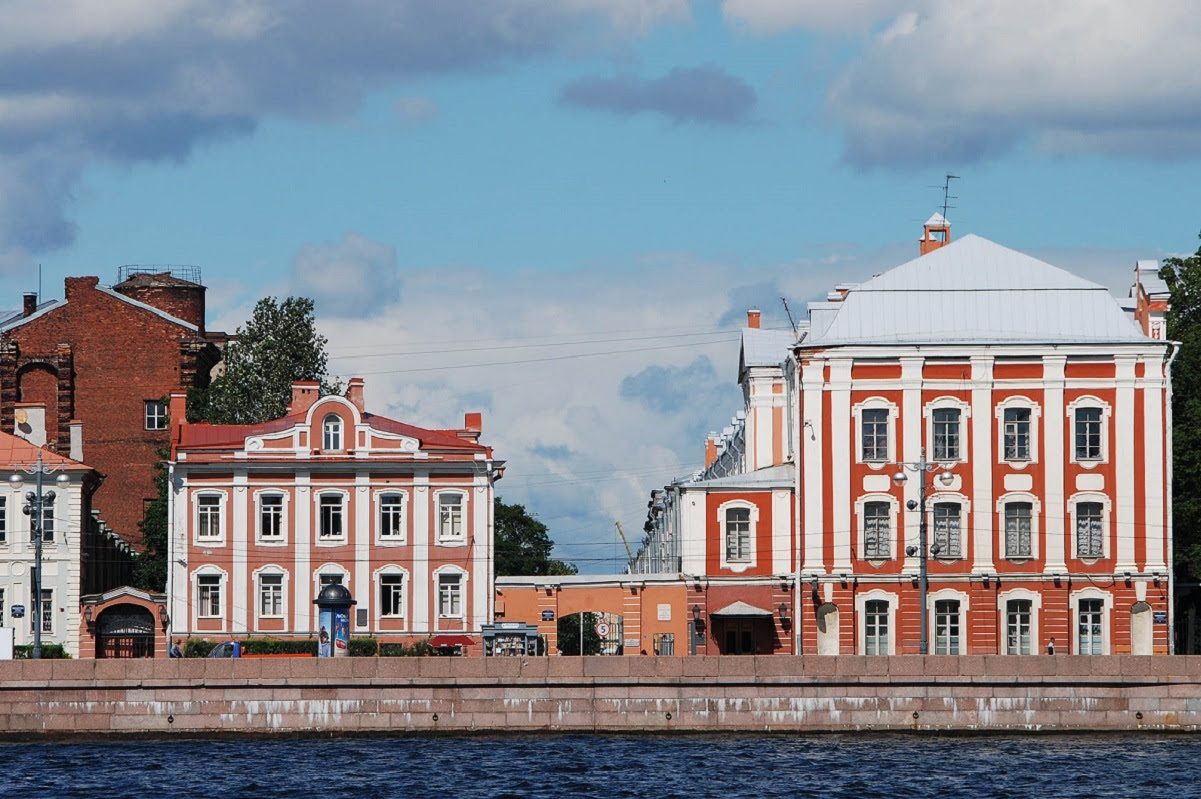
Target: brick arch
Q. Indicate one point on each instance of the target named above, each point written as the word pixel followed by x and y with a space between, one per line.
pixel 52 377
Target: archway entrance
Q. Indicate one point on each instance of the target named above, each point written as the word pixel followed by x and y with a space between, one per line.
pixel 125 631
pixel 590 633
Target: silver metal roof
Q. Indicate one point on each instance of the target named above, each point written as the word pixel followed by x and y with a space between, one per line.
pixel 975 291
pixel 765 347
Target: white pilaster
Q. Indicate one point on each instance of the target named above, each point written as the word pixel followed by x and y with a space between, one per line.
pixel 479 582
pixel 364 591
pixel 1155 483
pixel 1122 456
pixel 810 496
pixel 693 532
pixel 982 465
pixel 842 443
pixel 909 448
pixel 240 542
pixel 1053 438
pixel 302 571
pixel 781 532
pixel 421 552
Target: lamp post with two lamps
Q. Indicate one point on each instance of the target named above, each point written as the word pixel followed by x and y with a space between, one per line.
pixel 922 467
pixel 36 502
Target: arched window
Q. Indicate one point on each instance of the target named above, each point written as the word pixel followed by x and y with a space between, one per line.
pixel 331 433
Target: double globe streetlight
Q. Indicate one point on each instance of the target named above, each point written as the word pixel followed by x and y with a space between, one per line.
pixel 36 502
pixel 922 467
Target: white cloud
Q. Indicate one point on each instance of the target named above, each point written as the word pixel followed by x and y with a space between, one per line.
pixel 356 277
pixel 778 16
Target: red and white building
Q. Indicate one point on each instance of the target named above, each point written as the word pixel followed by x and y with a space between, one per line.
pixel 1045 409
pixel 263 516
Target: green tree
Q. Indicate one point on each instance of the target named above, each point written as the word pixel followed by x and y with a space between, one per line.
pixel 569 634
pixel 1183 276
pixel 278 346
pixel 523 544
pixel 150 566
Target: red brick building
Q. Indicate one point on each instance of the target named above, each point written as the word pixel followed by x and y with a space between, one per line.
pixel 87 375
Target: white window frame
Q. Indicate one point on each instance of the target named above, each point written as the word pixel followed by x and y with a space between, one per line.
pixel 1090 402
pixel 942 595
pixel 749 562
pixel 861 618
pixel 49 514
pixel 222 500
pixel 271 570
pixel 330 570
pixel 344 510
pixel 1013 403
pixel 876 404
pixel 3 528
pixel 282 538
pixel 378 510
pixel 965 507
pixel 1106 617
pixel 464 495
pixel 391 570
pixel 965 413
pixel 222 587
pixel 894 546
pixel 332 433
pixel 1036 603
pixel 447 571
pixel 45 611
pixel 154 415
pixel 1106 518
pixel 1035 525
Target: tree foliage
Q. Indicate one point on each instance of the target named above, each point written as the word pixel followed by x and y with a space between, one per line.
pixel 523 544
pixel 278 346
pixel 1183 276
pixel 569 628
pixel 150 567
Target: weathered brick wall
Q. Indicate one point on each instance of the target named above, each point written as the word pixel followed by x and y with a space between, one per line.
pixel 633 694
pixel 118 357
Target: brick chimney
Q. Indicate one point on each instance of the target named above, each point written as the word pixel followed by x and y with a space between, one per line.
pixel 752 318
pixel 304 394
pixel 710 450
pixel 30 303
pixel 72 286
pixel 473 425
pixel 354 393
pixel 937 233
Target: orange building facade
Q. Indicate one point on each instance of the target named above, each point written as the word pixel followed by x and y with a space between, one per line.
pixel 262 517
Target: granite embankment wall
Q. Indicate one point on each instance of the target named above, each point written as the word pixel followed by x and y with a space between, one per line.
pixel 286 696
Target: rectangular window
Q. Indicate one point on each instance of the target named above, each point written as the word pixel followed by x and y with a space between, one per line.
pixel 946 627
pixel 1089 642
pixel 1017 434
pixel 208 517
pixel 331 433
pixel 47 611
pixel 1088 434
pixel 328 579
pixel 738 535
pixel 391 516
pixel 875 627
pixel 1090 538
pixel 450 596
pixel 877 530
pixel 874 423
pixel 1017 627
pixel 3 520
pixel 391 595
pixel 450 516
pixel 208 596
pixel 1 606
pixel 271 517
pixel 1017 529
pixel 946 434
pixel 156 415
pixel 331 516
pixel 271 595
pixel 946 530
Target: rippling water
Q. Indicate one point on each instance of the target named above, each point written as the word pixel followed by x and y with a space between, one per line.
pixel 727 766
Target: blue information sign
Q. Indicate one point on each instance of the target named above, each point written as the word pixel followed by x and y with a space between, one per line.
pixel 18 611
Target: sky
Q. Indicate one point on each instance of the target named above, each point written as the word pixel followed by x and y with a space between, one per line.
pixel 557 212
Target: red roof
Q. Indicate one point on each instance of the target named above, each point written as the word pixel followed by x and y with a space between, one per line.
pixel 16 450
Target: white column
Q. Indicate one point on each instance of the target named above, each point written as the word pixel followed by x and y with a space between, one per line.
pixel 240 554
pixel 809 493
pixel 478 580
pixel 781 532
pixel 420 622
pixel 1155 485
pixel 842 445
pixel 1121 454
pixel 364 591
pixel 177 551
pixel 982 462
pixel 1053 491
pixel 302 542
pixel 911 425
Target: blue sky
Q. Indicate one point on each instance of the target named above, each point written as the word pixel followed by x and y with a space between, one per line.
pixel 557 211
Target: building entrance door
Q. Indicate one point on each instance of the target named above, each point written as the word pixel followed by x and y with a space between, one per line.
pixel 738 637
pixel 126 631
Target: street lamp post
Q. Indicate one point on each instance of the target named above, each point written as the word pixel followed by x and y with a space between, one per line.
pixel 921 467
pixel 35 504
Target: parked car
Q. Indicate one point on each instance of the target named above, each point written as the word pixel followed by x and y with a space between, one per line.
pixel 229 649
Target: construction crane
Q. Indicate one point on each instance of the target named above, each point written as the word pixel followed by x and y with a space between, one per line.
pixel 622 533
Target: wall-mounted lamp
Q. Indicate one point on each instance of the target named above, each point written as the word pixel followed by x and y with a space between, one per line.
pixel 698 621
pixel 1126 575
pixel 946 478
pixel 785 620
pixel 842 577
pixel 816 587
pixel 87 616
pixel 812 432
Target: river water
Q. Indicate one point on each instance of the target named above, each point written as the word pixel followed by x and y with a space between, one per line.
pixel 683 767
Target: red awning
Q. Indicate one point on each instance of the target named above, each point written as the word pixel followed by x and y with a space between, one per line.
pixel 451 640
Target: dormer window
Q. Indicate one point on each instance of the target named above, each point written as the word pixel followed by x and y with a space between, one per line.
pixel 331 433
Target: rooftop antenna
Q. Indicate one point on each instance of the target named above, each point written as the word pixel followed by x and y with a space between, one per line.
pixel 946 193
pixel 791 321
